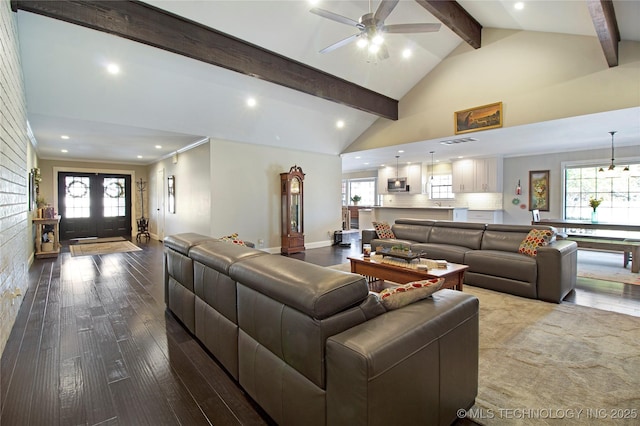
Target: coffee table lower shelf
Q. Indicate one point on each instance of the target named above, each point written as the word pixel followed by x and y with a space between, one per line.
pixel 373 270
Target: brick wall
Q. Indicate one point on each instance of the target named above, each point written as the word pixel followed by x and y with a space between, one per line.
pixel 14 143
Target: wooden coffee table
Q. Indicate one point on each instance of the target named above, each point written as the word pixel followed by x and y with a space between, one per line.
pixel 367 266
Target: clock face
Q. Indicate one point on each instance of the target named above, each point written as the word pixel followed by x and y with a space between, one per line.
pixel 295 186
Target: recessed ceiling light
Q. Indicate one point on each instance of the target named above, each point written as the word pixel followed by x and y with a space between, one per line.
pixel 113 68
pixel 406 53
pixel 64 137
pixel 63 150
pixel 158 146
pixel 400 151
pixel 366 164
pixel 251 102
pixel 519 5
pixel 339 124
pixel 139 156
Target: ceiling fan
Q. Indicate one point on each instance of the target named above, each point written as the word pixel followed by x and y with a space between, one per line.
pixel 372 28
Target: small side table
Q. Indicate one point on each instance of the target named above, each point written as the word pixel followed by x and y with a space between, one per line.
pixel 40 224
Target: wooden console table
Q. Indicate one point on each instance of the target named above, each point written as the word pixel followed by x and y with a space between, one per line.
pixel 40 224
pixel 581 224
pixel 627 240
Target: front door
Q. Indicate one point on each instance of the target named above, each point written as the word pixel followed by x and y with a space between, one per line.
pixel 94 205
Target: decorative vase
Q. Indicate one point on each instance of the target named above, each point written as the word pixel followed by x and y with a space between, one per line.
pixel 594 216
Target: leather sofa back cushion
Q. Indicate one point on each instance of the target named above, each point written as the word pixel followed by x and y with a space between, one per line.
pixel 457 235
pixel 417 233
pixel 316 291
pixel 508 237
pixel 220 255
pixel 289 334
pixel 182 243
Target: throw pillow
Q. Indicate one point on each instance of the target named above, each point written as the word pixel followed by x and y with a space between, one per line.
pixel 397 297
pixel 233 238
pixel 383 230
pixel 534 239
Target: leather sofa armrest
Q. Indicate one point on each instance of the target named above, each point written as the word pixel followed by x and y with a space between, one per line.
pixel 414 365
pixel 367 236
pixel 557 270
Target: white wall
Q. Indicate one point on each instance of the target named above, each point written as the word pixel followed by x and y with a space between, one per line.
pixel 518 168
pixel 537 76
pixel 192 192
pixel 245 192
pixel 15 153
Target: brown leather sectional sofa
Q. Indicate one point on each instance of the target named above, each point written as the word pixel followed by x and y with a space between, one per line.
pixel 312 346
pixel 491 252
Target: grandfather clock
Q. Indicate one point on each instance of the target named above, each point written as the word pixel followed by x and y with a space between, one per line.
pixel 292 211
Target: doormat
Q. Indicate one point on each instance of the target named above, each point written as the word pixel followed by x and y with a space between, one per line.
pixel 103 248
pixel 92 240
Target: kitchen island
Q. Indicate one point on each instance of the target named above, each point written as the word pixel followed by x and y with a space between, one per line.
pixel 389 214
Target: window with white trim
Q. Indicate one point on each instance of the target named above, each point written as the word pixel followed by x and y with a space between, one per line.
pixel 441 187
pixel 618 189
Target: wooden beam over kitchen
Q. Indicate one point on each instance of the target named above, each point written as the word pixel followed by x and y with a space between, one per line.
pixel 456 18
pixel 606 24
pixel 158 28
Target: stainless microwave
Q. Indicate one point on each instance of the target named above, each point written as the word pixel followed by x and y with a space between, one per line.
pixel 397 185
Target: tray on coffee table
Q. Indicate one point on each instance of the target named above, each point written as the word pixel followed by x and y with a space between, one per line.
pixel 404 255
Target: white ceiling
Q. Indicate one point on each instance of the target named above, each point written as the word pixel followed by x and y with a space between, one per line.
pixel 160 98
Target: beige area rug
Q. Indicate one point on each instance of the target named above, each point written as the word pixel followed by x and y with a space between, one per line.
pixel 102 248
pixel 607 266
pixel 540 361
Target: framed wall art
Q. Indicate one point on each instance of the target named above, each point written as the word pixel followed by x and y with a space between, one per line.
pixel 478 118
pixel 539 190
pixel 171 185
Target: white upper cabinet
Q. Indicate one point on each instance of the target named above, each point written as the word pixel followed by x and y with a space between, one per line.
pixel 477 175
pixel 413 173
pixel 463 176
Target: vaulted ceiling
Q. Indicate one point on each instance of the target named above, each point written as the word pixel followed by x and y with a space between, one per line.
pixel 172 100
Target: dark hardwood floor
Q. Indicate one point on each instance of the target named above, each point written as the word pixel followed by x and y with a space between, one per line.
pixel 93 344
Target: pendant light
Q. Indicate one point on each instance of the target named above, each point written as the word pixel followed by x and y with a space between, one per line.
pixel 397 182
pixel 612 166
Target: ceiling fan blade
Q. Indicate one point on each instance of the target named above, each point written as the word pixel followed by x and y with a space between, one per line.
pixel 335 17
pixel 411 28
pixel 384 9
pixel 340 43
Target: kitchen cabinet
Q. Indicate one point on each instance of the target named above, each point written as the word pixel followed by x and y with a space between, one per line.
pixel 463 176
pixel 488 175
pixel 477 175
pixel 413 173
pixel 484 216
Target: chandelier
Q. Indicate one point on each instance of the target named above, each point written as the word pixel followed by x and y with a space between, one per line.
pixel 612 165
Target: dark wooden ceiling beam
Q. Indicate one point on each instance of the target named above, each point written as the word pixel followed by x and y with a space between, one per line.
pixel 155 27
pixel 606 24
pixel 455 17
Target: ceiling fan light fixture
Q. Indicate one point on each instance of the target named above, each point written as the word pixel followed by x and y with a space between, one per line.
pixel 362 43
pixel 377 39
pixel 374 48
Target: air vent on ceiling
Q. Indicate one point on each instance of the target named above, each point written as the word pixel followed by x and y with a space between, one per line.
pixel 461 140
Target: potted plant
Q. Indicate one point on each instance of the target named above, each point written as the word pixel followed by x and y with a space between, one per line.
pixel 594 203
pixel 356 199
